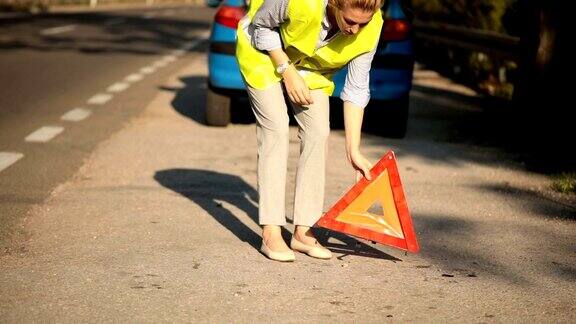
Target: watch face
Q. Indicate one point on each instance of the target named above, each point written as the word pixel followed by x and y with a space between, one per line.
pixel 281 68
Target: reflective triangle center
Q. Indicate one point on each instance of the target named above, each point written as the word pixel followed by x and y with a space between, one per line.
pixel 376 197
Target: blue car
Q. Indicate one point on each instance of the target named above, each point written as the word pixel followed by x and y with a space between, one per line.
pixel 390 76
pixel 212 3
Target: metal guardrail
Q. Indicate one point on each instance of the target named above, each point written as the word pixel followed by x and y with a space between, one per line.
pixel 497 44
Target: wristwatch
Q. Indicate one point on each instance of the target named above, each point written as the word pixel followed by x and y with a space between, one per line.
pixel 281 68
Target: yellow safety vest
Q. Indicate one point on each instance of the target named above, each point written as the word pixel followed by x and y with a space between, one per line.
pixel 300 35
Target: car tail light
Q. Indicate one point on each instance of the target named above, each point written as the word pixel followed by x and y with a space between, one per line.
pixel 229 16
pixel 395 30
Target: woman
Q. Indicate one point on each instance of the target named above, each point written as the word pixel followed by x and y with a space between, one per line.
pixel 297 46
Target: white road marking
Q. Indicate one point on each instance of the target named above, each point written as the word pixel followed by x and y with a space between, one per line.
pixel 115 21
pixel 204 35
pixel 134 77
pixel 99 99
pixel 195 33
pixel 9 158
pixel 190 45
pixel 187 46
pixel 170 58
pixel 147 70
pixel 76 114
pixel 118 87
pixel 159 64
pixel 44 134
pixel 178 52
pixel 57 30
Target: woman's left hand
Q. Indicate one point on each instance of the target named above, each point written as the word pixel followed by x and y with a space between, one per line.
pixel 359 163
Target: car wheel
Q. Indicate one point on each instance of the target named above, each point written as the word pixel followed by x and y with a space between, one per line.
pixel 387 117
pixel 217 109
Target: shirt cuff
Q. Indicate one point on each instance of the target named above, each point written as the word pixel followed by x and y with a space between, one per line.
pixel 360 100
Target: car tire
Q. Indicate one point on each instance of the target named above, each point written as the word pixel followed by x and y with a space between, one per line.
pixel 387 118
pixel 217 109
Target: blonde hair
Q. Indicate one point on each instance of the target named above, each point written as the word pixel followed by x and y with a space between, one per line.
pixel 366 5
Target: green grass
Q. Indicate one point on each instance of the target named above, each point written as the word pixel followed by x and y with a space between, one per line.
pixel 565 182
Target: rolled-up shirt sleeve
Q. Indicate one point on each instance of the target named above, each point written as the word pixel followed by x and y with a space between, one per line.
pixel 264 26
pixel 357 85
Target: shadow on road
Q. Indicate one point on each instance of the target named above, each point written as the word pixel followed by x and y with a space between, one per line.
pixel 445 128
pixel 190 100
pixel 445 243
pixel 447 117
pixel 436 116
pixel 542 205
pixel 208 189
pixel 471 248
pixel 457 128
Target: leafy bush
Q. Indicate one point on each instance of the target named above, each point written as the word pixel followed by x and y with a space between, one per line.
pixel 565 182
pixel 480 14
pixel 486 73
pixel 23 5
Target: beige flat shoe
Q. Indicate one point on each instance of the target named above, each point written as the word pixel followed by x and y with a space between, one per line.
pixel 315 251
pixel 284 256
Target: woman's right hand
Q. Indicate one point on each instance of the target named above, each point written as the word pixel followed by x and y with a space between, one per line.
pixel 359 163
pixel 296 87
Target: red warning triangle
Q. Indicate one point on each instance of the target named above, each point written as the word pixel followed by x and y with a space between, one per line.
pixel 375 210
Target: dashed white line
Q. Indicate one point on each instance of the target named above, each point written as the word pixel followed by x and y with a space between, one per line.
pixel 189 45
pixel 134 77
pixel 57 30
pixel 186 46
pixel 76 114
pixel 183 49
pixel 192 33
pixel 44 134
pixel 9 158
pixel 159 64
pixel 178 52
pixel 115 21
pixel 99 99
pixel 47 133
pixel 204 34
pixel 118 87
pixel 147 70
pixel 170 58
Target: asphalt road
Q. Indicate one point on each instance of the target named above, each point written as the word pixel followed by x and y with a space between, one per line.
pixel 141 213
pixel 53 64
pixel 160 224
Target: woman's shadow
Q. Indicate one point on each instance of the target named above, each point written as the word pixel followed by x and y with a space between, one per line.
pixel 209 189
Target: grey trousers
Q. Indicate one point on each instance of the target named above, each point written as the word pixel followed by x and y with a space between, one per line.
pixel 272 135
